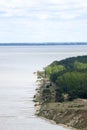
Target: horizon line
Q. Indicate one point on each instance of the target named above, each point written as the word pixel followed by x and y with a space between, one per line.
pixel 42 43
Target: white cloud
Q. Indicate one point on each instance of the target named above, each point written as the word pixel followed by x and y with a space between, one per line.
pixel 43 16
pixel 15 3
pixel 32 16
pixel 57 1
pixel 43 9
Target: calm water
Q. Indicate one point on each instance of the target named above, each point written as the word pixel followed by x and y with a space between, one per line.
pixel 17 83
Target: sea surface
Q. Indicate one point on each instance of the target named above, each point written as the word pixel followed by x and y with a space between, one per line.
pixel 18 83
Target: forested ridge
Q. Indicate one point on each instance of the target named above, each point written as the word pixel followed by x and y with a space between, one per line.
pixel 62 92
pixel 70 78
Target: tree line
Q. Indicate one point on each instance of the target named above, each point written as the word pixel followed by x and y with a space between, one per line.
pixel 70 77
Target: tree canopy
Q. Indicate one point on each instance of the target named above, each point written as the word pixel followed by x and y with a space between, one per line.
pixel 69 76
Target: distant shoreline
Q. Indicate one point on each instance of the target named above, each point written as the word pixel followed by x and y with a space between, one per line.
pixel 44 44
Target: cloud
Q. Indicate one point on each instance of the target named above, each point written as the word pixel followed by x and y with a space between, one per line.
pixel 39 9
pixel 40 19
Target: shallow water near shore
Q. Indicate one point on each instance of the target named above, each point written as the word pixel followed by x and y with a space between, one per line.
pixel 18 83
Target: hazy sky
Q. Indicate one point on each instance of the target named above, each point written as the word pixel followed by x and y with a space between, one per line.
pixel 43 20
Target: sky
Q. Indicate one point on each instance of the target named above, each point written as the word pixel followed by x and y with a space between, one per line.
pixel 43 21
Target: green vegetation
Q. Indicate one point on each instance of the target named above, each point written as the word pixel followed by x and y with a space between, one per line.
pixel 80 66
pixel 69 77
pixel 53 69
pixel 62 92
